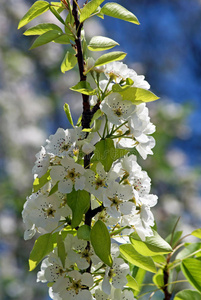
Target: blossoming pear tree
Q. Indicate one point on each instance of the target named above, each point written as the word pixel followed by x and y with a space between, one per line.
pixel 91 202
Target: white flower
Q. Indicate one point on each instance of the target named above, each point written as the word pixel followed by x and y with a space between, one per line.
pixel 116 294
pixel 116 200
pixel 76 252
pixel 69 174
pixel 63 141
pixel 42 163
pixel 51 269
pixel 74 287
pixel 116 109
pixel 96 183
pixel 42 212
pixel 119 71
pixel 116 274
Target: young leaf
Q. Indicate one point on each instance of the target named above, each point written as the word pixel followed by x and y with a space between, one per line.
pixel 109 57
pixel 104 153
pixel 139 275
pixel 40 182
pixel 61 249
pixel 57 15
pixel 132 256
pixel 83 87
pixel 54 189
pixel 37 9
pixel 189 250
pixel 84 232
pixel 158 279
pixel 68 113
pixel 89 9
pixel 42 247
pixel 132 283
pixel 79 202
pixel 197 233
pixel 191 269
pixel 187 295
pixel 115 10
pixel 63 39
pixel 153 245
pixel 100 43
pixel 41 28
pixel 46 38
pixel 101 242
pixel 173 240
pixel 68 62
pixel 133 94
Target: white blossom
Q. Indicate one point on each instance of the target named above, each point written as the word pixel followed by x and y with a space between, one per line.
pixel 117 109
pixel 42 163
pixel 69 175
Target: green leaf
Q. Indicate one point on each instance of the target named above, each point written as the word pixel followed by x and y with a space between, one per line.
pixel 197 233
pixel 115 10
pixel 57 15
pixel 104 153
pixel 187 295
pixel 68 62
pixel 46 38
pixel 83 87
pixel 109 57
pixel 63 39
pixel 68 113
pixel 132 256
pixel 190 249
pixel 79 202
pixel 37 9
pixel 153 245
pixel 139 277
pixel 54 189
pixel 61 249
pixel 42 28
pixel 173 240
pixel 89 9
pixel 101 242
pixel 84 232
pixel 132 283
pixel 158 279
pixel 42 247
pixel 40 182
pixel 100 43
pixel 133 94
pixel 58 6
pixel 191 269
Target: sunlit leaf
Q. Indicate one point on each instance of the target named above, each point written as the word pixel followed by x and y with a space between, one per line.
pixel 100 43
pixel 158 279
pixel 132 283
pixel 68 113
pixel 61 249
pixel 115 10
pixel 40 182
pixel 133 94
pixel 197 233
pixel 132 256
pixel 89 9
pixel 46 38
pixel 191 269
pixel 187 295
pixel 68 62
pixel 153 245
pixel 42 247
pixel 109 57
pixel 41 28
pixel 83 87
pixel 37 9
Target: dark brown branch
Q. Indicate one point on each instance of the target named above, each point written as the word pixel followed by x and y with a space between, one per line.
pixel 167 294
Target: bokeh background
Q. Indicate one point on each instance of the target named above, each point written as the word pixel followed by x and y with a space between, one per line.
pixel 166 48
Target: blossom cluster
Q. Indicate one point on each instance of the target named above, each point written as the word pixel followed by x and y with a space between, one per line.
pixel 120 195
